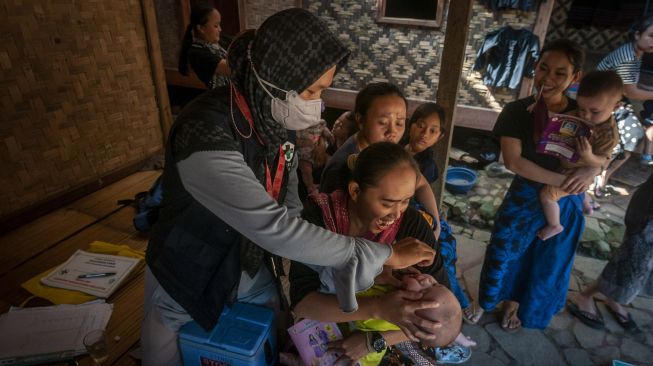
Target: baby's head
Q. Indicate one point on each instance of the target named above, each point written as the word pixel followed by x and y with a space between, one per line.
pixel 599 94
pixel 448 313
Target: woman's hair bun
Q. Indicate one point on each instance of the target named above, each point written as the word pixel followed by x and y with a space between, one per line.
pixel 351 161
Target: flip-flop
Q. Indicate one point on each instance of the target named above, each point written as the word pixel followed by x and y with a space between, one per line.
pixel 625 322
pixel 594 321
pixel 470 319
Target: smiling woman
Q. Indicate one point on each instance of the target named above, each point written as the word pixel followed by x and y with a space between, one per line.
pixel 515 254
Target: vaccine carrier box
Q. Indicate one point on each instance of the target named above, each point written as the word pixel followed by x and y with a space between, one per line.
pixel 245 335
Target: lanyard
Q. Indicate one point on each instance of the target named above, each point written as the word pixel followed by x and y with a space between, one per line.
pixel 272 187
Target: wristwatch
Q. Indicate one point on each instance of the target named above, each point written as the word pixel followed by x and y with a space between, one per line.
pixel 377 342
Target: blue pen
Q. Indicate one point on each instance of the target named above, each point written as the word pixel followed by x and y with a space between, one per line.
pixel 96 275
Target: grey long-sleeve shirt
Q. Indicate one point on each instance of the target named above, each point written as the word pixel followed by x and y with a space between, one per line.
pixel 223 183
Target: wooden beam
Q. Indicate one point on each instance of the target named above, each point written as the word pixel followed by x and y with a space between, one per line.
pixel 465 116
pixel 451 66
pixel 156 64
pixel 184 13
pixel 475 117
pixel 539 29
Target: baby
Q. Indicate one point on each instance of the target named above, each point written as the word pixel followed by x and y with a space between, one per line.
pixel 598 96
pixel 448 313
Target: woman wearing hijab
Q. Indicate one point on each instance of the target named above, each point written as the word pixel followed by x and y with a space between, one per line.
pixel 230 204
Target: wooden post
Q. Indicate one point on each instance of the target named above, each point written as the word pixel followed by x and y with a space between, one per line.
pixel 156 63
pixel 451 66
pixel 539 29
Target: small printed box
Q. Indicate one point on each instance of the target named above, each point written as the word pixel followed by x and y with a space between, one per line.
pixel 245 335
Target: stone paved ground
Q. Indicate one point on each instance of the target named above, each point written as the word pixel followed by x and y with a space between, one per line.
pixel 566 341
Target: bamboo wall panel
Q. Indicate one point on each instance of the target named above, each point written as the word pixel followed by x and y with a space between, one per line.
pixel 76 94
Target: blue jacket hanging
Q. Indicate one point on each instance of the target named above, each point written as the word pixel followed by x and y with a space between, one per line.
pixel 506 56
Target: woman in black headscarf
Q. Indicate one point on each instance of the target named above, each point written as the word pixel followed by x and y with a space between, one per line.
pixel 230 203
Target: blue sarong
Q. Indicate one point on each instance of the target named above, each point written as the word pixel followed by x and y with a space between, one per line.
pixel 519 266
pixel 449 257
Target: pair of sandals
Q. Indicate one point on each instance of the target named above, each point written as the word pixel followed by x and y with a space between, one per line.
pixel 596 321
pixel 508 320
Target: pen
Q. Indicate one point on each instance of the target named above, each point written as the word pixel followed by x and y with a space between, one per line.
pixel 97 275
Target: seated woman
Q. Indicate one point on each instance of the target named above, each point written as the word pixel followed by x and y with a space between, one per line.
pixel 201 49
pixel 425 129
pixel 374 205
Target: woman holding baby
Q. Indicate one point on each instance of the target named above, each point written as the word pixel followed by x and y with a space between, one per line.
pixel 531 275
pixel 374 204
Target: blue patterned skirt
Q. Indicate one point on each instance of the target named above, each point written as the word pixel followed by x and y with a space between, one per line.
pixel 519 266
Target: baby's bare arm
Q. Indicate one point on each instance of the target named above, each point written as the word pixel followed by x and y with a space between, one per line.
pixel 587 156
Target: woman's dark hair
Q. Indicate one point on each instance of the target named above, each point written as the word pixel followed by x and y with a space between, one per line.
pixel 571 49
pixel 370 165
pixel 425 110
pixel 640 27
pixel 199 15
pixel 371 91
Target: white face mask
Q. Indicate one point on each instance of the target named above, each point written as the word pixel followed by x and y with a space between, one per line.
pixel 295 113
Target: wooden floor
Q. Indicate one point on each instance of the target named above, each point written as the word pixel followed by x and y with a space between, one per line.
pixel 51 239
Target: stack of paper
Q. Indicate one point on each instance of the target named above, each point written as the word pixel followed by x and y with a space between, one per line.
pixel 92 273
pixel 41 334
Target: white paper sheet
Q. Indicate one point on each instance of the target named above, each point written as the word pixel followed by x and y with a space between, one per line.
pixel 52 331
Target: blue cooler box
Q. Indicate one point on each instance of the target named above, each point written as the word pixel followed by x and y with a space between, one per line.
pixel 245 335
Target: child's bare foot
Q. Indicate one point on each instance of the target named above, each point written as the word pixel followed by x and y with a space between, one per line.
pixel 472 315
pixel 589 206
pixel 464 341
pixel 549 231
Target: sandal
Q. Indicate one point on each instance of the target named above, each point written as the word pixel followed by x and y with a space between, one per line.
pixel 594 321
pixel 471 315
pixel 453 354
pixel 625 322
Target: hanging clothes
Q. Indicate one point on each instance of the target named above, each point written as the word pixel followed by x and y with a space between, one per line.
pixel 506 56
pixel 605 14
pixel 525 5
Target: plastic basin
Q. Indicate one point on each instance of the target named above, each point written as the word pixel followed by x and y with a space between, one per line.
pixel 460 180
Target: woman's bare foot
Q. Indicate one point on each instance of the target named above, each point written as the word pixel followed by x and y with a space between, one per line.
pixel 549 231
pixel 464 341
pixel 586 304
pixel 472 315
pixel 509 320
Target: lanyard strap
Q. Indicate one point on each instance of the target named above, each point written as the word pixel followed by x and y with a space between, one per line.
pixel 272 187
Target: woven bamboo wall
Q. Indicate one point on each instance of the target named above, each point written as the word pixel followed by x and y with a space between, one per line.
pixel 76 94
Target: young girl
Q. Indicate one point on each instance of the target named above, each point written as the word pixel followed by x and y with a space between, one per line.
pixel 531 276
pixel 380 113
pixel 343 128
pixel 200 48
pixel 425 130
pixel 374 205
